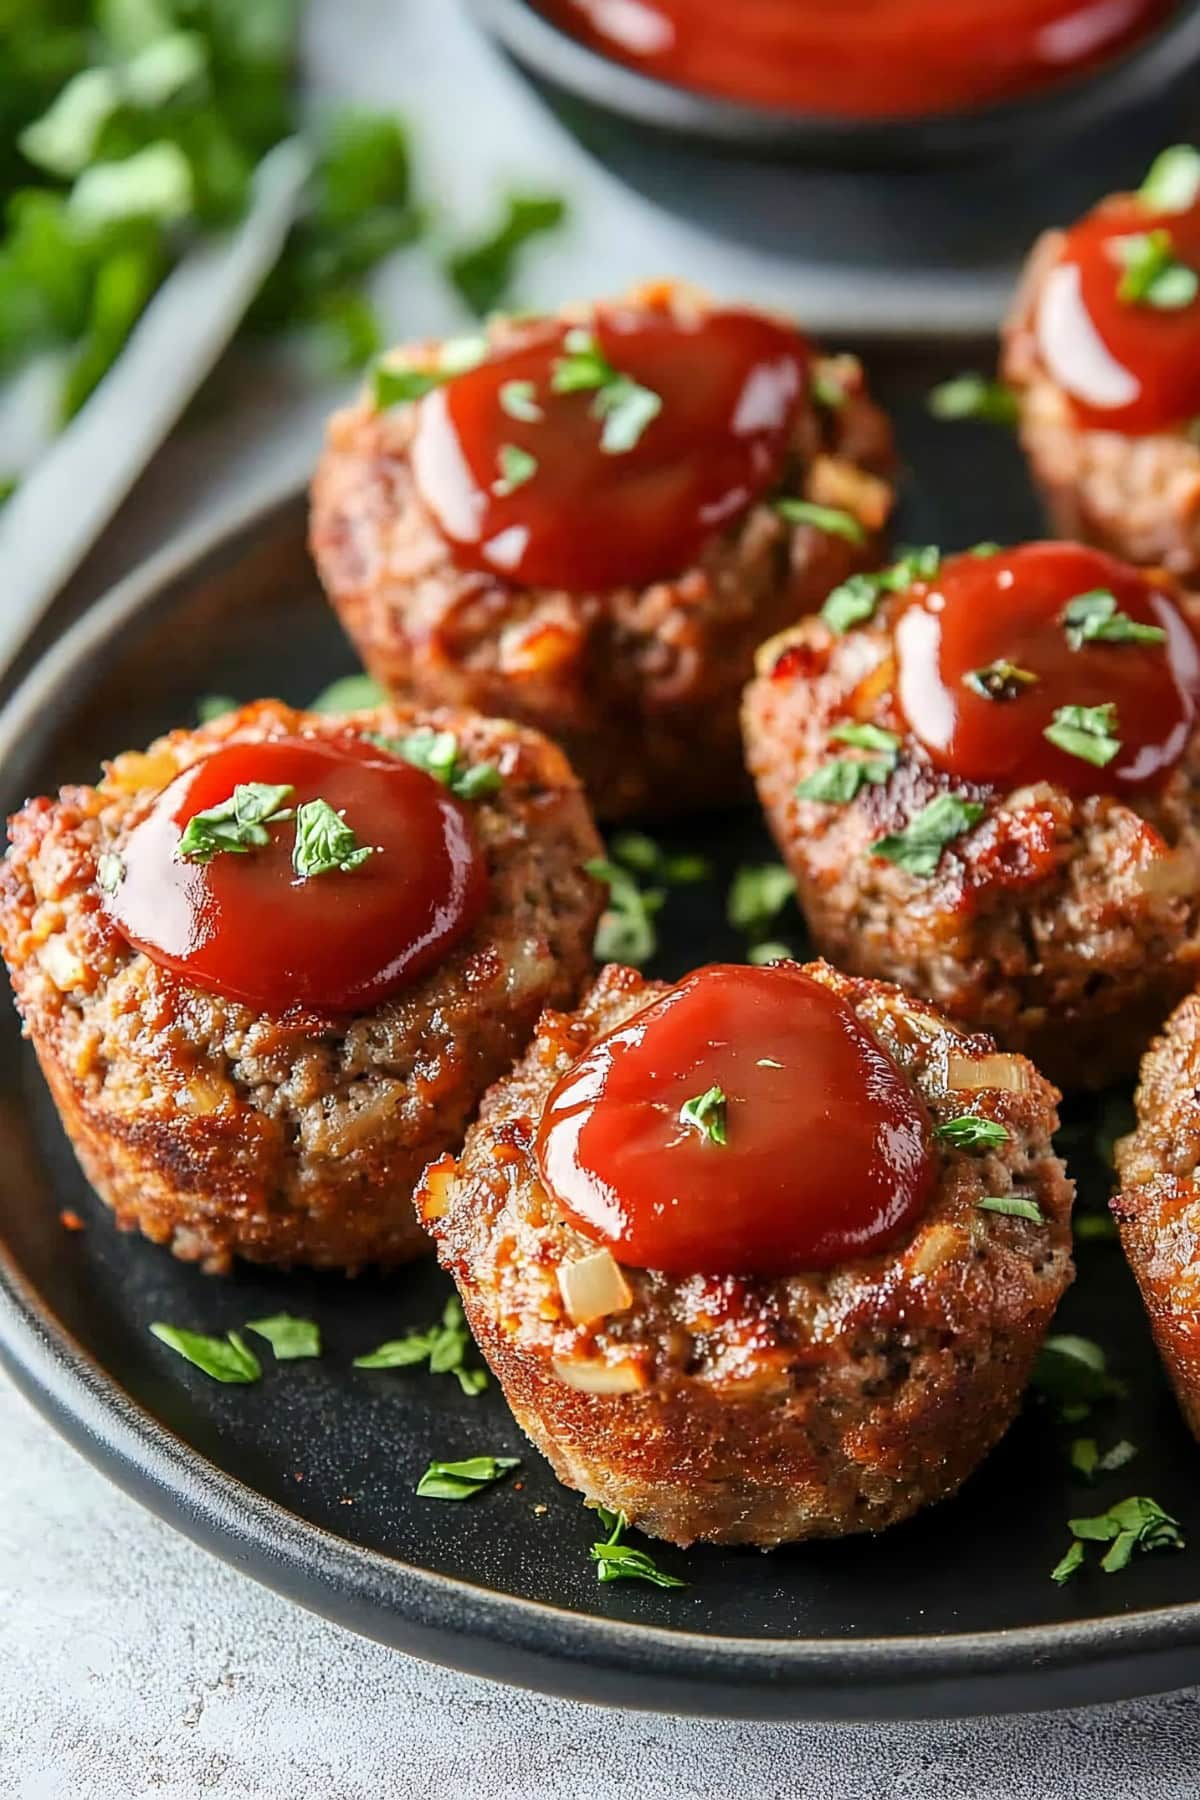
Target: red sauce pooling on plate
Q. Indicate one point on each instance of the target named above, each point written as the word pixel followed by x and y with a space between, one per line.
pixel 859 58
pixel 582 517
pixel 827 1153
pixel 979 611
pixel 1126 366
pixel 247 927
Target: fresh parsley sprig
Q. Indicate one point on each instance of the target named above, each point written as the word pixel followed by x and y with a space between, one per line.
pixel 838 781
pixel 706 1114
pixel 617 1561
pixel 918 847
pixel 291 1339
pixel 626 932
pixel 1138 1523
pixel 439 754
pixel 974 396
pixel 463 1480
pixel 1089 732
pixel 830 519
pixel 325 844
pixel 227 1359
pixel 443 1348
pixel 854 602
pixel 238 824
pixel 623 405
pixel 969 1132
pixel 1096 618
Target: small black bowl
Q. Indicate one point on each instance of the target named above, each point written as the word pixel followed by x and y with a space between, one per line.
pixel 572 71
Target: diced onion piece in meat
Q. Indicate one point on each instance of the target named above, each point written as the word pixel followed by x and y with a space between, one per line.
pixel 966 1074
pixel 593 1287
pixel 594 1377
pixel 61 964
pixel 1168 877
pixel 433 1195
pixel 939 1244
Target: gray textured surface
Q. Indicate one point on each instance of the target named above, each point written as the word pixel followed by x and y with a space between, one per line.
pixel 131 1663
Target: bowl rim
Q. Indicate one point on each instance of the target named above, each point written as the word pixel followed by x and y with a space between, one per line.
pixel 550 53
pixel 467 1626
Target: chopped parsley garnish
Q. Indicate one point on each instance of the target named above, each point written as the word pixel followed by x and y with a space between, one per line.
pixel 228 1358
pixel 1138 1523
pixel 825 518
pixel 758 894
pixel 1153 275
pixel 616 1561
pixel 214 706
pixel 519 400
pixel 1173 181
pixel 705 1113
pixel 110 871
pixel 974 396
pixel 985 547
pixel 463 1480
pixel 1096 618
pixel 969 1132
pixel 483 272
pixel 236 825
pixel 1089 732
pixel 625 407
pixel 769 952
pixel 837 782
pixel 1072 1372
pixel 854 602
pixel 442 1347
pixel 1013 1206
pixel 640 853
pixel 289 1337
pixel 918 848
pixel 1087 1461
pixel 439 755
pixel 325 844
pixel 1000 680
pixel 1094 1227
pixel 516 467
pixel 626 930
pixel 394 383
pixel 349 693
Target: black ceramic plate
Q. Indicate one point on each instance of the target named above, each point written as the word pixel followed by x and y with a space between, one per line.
pixel 306 1480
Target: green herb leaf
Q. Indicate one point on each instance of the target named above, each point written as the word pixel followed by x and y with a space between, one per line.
pixel 623 404
pixel 974 397
pixel 438 753
pixel 616 1561
pixel 443 1347
pixel 1092 1227
pixel 769 952
pixel 854 602
pixel 397 1353
pixel 236 825
pixel 640 853
pixel 110 871
pixel 214 706
pixel 985 547
pixel 1073 1372
pixel 519 400
pixel 393 383
pixel 918 848
pixel 1173 181
pixel 350 693
pixel 63 141
pixel 1095 618
pixel 836 783
pixel 516 467
pixel 463 1480
pixel 1085 1457
pixel 757 895
pixel 1000 680
pixel 1067 1565
pixel 289 1337
pixel 1088 732
pixel 228 1359
pixel 325 844
pixel 970 1132
pixel 825 518
pixel 1013 1206
pixel 705 1113
pixel 1153 274
pixel 626 930
pixel 154 183
pixel 1137 1523
pixel 484 272
pixel 866 737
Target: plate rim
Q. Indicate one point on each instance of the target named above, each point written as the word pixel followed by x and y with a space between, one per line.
pixel 468 1626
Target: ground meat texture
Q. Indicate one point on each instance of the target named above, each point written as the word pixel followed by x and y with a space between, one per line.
pixel 640 686
pixel 1136 496
pixel 753 1410
pixel 1158 1205
pixel 1065 925
pixel 223 1133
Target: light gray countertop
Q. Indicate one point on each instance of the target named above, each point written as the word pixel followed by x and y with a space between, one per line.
pixel 133 1664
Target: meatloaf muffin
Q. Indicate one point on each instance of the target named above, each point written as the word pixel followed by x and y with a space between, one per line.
pixel 983 773
pixel 1158 1206
pixel 1103 350
pixel 589 522
pixel 295 1132
pixel 707 1403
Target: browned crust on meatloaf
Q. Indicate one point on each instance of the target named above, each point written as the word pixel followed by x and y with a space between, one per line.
pixel 1158 1206
pixel 759 1411
pixel 639 685
pixel 1136 496
pixel 221 1132
pixel 1066 925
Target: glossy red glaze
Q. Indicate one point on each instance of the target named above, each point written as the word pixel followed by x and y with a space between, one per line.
pixel 245 926
pixel 1008 607
pixel 587 519
pixel 1126 367
pixel 827 1155
pixel 859 58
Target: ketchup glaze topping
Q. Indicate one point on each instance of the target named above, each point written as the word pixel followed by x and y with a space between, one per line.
pixel 816 1151
pixel 859 58
pixel 606 454
pixel 245 925
pixel 988 659
pixel 1127 364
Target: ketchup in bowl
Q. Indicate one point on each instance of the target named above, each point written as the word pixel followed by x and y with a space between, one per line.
pixel 383 899
pixel 1048 662
pixel 744 1123
pixel 605 455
